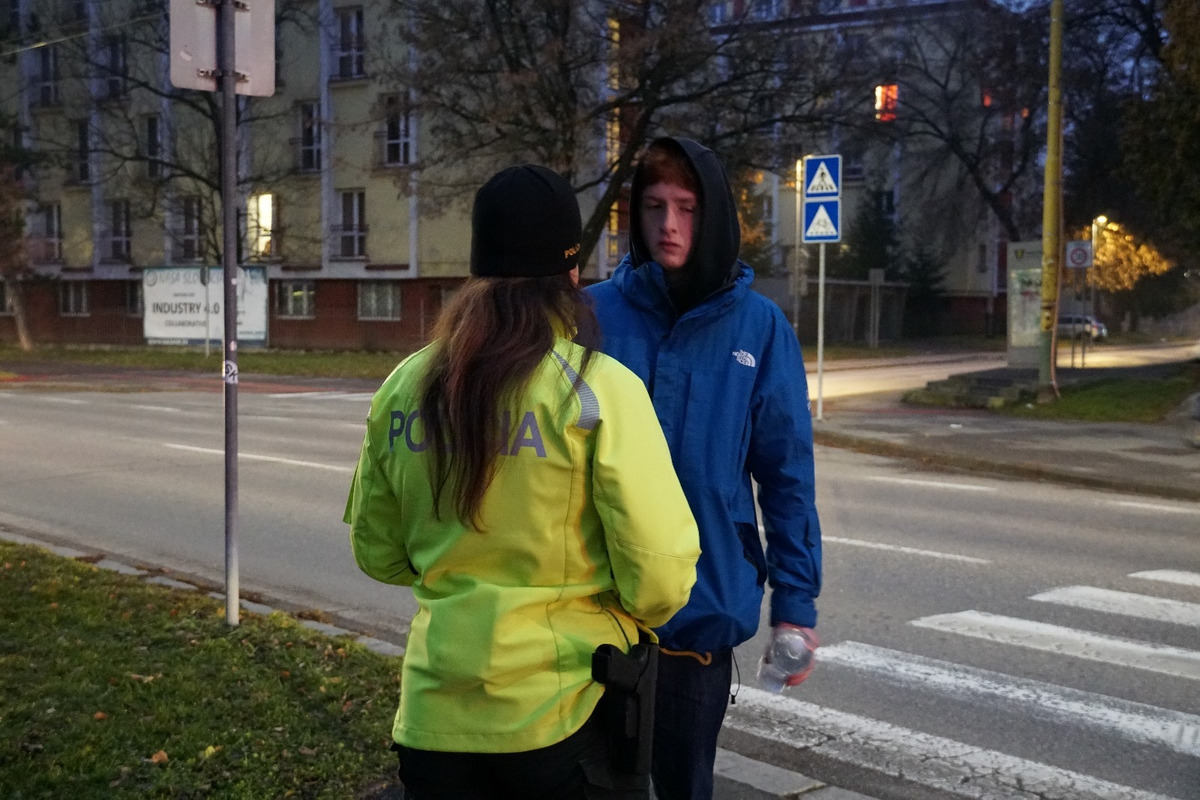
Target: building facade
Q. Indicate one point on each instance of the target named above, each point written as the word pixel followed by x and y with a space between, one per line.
pixel 330 194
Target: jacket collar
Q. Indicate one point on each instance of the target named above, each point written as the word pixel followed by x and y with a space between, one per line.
pixel 645 287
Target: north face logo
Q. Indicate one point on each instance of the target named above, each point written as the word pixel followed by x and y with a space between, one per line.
pixel 744 358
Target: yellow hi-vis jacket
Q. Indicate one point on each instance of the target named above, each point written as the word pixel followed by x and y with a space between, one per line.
pixel 586 536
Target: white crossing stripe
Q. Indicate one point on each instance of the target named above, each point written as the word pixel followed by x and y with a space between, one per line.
pixel 953 768
pixel 168 409
pixel 1137 722
pixel 253 457
pixel 1155 507
pixel 966 487
pixel 323 395
pixel 896 548
pixel 1056 639
pixel 1126 604
pixel 1169 576
pixel 70 401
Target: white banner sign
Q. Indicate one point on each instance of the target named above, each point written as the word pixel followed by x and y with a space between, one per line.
pixel 179 309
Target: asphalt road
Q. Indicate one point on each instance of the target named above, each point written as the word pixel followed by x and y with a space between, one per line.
pixel 962 616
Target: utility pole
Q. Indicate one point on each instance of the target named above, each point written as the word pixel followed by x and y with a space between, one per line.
pixel 1051 211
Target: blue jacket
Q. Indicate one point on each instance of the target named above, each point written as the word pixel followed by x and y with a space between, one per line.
pixel 729 388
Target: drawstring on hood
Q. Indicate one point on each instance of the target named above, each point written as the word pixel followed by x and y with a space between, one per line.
pixel 712 264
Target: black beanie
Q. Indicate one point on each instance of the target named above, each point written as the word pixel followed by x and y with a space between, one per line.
pixel 525 224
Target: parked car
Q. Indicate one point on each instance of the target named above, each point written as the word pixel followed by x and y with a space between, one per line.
pixel 1080 325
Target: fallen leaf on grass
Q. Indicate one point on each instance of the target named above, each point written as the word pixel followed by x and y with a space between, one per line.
pixel 160 757
pixel 144 678
pixel 307 751
pixel 210 751
pixel 99 715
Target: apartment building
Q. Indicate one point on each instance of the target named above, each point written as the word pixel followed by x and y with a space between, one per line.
pixel 331 197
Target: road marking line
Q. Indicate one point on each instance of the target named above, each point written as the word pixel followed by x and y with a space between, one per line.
pixel 324 395
pixel 1169 576
pixel 253 457
pixel 1154 507
pixel 294 394
pixel 71 401
pixel 1056 639
pixel 266 418
pixel 1137 722
pixel 912 551
pixel 966 487
pixel 952 767
pixel 1127 604
pixel 159 408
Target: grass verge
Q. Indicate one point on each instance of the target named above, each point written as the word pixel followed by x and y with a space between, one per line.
pixel 302 363
pixel 1118 399
pixel 115 688
pixel 357 364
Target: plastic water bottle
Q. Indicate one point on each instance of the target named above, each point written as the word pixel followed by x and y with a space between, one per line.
pixel 790 652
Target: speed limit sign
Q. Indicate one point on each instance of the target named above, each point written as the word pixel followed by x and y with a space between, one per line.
pixel 1079 254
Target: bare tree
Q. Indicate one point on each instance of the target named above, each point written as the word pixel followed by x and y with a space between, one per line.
pixel 969 96
pixel 148 141
pixel 583 86
pixel 14 264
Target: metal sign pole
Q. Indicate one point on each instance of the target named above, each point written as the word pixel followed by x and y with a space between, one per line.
pixel 227 69
pixel 821 335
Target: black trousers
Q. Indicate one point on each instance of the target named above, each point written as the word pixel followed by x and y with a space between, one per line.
pixel 577 768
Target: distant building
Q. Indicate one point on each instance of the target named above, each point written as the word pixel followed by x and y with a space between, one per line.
pixel 332 194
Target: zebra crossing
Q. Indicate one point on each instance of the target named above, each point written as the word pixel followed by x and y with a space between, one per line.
pixel 961 769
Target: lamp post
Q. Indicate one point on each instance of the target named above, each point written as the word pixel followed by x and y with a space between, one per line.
pixel 1097 225
pixel 796 282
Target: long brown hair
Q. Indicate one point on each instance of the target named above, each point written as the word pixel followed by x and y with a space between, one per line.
pixel 489 340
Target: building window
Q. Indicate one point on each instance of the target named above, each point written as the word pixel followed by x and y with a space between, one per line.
pixel 47 243
pixel 191 229
pixel 352 233
pixel 310 136
pixel 73 299
pixel 296 299
pixel 114 65
pixel 348 55
pixel 887 98
pixel 722 12
pixel 81 169
pixel 47 79
pixel 135 304
pixel 379 300
pixel 397 132
pixel 153 146
pixel 766 9
pixel 262 226
pixel 120 235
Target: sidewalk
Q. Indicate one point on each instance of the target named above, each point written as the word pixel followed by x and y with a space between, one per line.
pixel 1153 459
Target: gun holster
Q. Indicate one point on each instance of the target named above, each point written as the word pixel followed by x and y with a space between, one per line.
pixel 628 704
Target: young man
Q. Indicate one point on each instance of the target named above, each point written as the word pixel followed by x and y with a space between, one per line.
pixel 724 371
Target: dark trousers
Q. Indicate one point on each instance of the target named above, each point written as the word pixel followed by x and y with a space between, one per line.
pixel 577 768
pixel 690 708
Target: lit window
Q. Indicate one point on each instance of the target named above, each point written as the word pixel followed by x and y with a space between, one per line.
pixel 886 99
pixel 262 225
pixel 379 300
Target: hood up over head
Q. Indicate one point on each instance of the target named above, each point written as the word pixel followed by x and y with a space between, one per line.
pixel 717 236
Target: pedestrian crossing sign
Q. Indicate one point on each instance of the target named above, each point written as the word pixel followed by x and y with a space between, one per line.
pixel 822 221
pixel 822 176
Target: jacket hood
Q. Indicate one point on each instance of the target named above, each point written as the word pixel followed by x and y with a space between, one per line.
pixel 717 235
